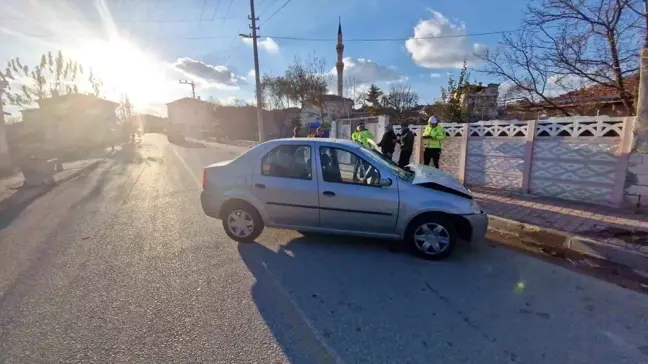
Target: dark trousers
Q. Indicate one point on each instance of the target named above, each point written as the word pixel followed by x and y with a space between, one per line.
pixel 433 154
pixel 404 158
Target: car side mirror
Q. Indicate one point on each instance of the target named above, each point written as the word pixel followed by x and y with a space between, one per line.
pixel 385 182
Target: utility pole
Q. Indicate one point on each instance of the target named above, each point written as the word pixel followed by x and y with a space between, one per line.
pixel 641 123
pixel 4 148
pixel 193 87
pixel 259 99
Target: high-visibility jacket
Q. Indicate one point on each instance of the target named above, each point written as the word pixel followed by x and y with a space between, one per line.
pixel 438 135
pixel 362 137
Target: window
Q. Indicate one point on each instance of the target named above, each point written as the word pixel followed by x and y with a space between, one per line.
pixel 342 166
pixel 288 161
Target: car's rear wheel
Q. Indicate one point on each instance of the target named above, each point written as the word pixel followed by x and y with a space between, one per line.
pixel 242 222
pixel 432 237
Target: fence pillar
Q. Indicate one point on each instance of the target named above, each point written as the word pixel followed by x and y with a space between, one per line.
pixel 463 153
pixel 528 156
pixel 623 155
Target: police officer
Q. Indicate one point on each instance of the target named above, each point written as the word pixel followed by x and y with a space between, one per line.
pixel 362 136
pixel 433 137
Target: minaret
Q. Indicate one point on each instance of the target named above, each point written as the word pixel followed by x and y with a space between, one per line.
pixel 340 65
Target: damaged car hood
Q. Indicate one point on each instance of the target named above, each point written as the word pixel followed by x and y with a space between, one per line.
pixel 437 179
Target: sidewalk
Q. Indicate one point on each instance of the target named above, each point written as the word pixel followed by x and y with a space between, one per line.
pixel 13 193
pixel 598 231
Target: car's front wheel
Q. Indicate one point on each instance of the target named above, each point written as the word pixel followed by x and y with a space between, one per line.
pixel 432 237
pixel 242 222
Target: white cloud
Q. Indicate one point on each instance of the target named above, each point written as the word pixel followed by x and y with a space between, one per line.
pixel 214 76
pixel 366 71
pixel 435 75
pixel 251 73
pixel 268 44
pixel 449 51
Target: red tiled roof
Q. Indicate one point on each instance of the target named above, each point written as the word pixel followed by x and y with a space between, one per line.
pixel 602 92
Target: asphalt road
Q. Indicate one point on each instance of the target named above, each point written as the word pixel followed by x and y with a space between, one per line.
pixel 121 266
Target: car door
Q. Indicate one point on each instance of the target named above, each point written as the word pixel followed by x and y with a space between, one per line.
pixel 352 205
pixel 285 183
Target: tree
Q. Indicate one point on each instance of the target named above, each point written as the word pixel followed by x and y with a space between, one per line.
pixel 451 104
pixel 372 100
pixel 308 81
pixel 567 44
pixel 399 101
pixel 52 76
pixel 304 82
pixel 276 91
pixel 350 86
pixel 125 108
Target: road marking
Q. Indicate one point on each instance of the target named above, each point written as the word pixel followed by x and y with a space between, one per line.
pixel 333 357
pixel 186 166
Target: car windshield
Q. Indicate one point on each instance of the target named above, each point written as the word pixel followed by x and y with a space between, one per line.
pixel 380 159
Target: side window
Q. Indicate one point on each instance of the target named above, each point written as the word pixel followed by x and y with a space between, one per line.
pixel 341 166
pixel 288 161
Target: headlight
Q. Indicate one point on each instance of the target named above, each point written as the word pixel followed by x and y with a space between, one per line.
pixel 474 206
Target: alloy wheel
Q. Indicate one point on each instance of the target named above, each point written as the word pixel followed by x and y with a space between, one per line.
pixel 431 238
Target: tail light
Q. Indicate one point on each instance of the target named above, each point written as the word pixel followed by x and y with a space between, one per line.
pixel 204 179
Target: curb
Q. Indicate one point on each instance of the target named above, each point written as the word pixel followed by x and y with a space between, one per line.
pixel 534 236
pixel 35 192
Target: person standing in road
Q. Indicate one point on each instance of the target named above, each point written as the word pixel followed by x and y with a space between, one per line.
pixel 296 131
pixel 388 142
pixel 362 136
pixel 406 146
pixel 433 137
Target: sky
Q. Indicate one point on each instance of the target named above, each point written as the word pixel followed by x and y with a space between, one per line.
pixel 142 48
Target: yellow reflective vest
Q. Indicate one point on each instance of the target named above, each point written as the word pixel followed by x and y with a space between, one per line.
pixel 438 135
pixel 362 137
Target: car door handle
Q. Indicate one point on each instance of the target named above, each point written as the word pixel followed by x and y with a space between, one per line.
pixel 259 185
pixel 328 193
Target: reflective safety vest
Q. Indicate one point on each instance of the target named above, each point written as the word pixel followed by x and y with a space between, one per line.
pixel 438 135
pixel 362 137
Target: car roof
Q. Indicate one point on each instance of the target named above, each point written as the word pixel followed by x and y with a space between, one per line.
pixel 345 142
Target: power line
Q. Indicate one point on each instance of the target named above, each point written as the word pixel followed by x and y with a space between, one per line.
pixel 390 39
pixel 121 20
pixel 202 11
pixel 227 12
pixel 278 10
pixel 58 36
pixel 216 9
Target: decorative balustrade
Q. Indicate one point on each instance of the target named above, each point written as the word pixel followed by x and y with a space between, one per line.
pixel 578 158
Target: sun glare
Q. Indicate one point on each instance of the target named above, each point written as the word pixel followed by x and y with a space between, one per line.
pixel 125 69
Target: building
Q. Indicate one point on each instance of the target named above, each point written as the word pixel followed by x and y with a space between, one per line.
pixel 334 107
pixel 148 123
pixel 589 101
pixel 70 121
pixel 192 115
pixel 480 101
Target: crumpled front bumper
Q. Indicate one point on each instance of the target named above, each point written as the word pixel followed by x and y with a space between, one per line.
pixel 479 226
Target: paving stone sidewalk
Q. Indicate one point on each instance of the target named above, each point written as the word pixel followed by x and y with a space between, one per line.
pixel 600 223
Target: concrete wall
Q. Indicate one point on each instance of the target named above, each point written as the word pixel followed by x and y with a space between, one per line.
pixel 636 192
pixel 578 158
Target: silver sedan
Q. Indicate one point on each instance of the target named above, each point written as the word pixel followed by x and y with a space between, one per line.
pixel 339 187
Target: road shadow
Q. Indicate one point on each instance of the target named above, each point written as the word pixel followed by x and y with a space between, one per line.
pixel 12 207
pixel 311 287
pixel 369 305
